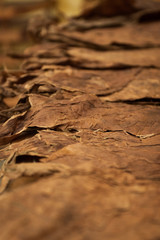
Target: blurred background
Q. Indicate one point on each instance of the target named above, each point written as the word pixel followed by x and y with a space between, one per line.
pixel 14 16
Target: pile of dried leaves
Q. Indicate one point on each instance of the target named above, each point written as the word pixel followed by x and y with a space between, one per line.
pixel 80 128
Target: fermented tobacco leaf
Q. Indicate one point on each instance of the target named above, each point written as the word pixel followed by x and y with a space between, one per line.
pixel 88 58
pixel 87 199
pixel 80 128
pixel 131 35
pixel 107 8
pixel 145 85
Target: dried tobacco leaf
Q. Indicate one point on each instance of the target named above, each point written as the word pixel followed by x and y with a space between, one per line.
pixel 65 114
pixel 39 145
pixel 104 150
pixel 145 85
pixel 147 4
pixel 131 35
pixel 107 8
pixel 78 81
pixel 80 149
pixel 86 200
pixel 88 58
pixel 21 174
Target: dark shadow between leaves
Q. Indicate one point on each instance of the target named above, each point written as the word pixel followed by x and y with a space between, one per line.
pixel 27 159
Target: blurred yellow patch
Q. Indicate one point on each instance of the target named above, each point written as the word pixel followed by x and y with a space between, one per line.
pixel 70 7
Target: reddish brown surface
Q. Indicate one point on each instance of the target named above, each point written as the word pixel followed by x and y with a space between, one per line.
pixel 80 131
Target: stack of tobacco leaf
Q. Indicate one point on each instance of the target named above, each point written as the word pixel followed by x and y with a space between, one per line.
pixel 80 128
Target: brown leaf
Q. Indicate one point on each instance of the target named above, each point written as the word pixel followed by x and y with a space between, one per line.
pixel 65 114
pixel 107 8
pixel 132 35
pixel 88 58
pixel 79 152
pixel 86 201
pixel 78 81
pixel 145 85
pixel 35 146
pixel 13 175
